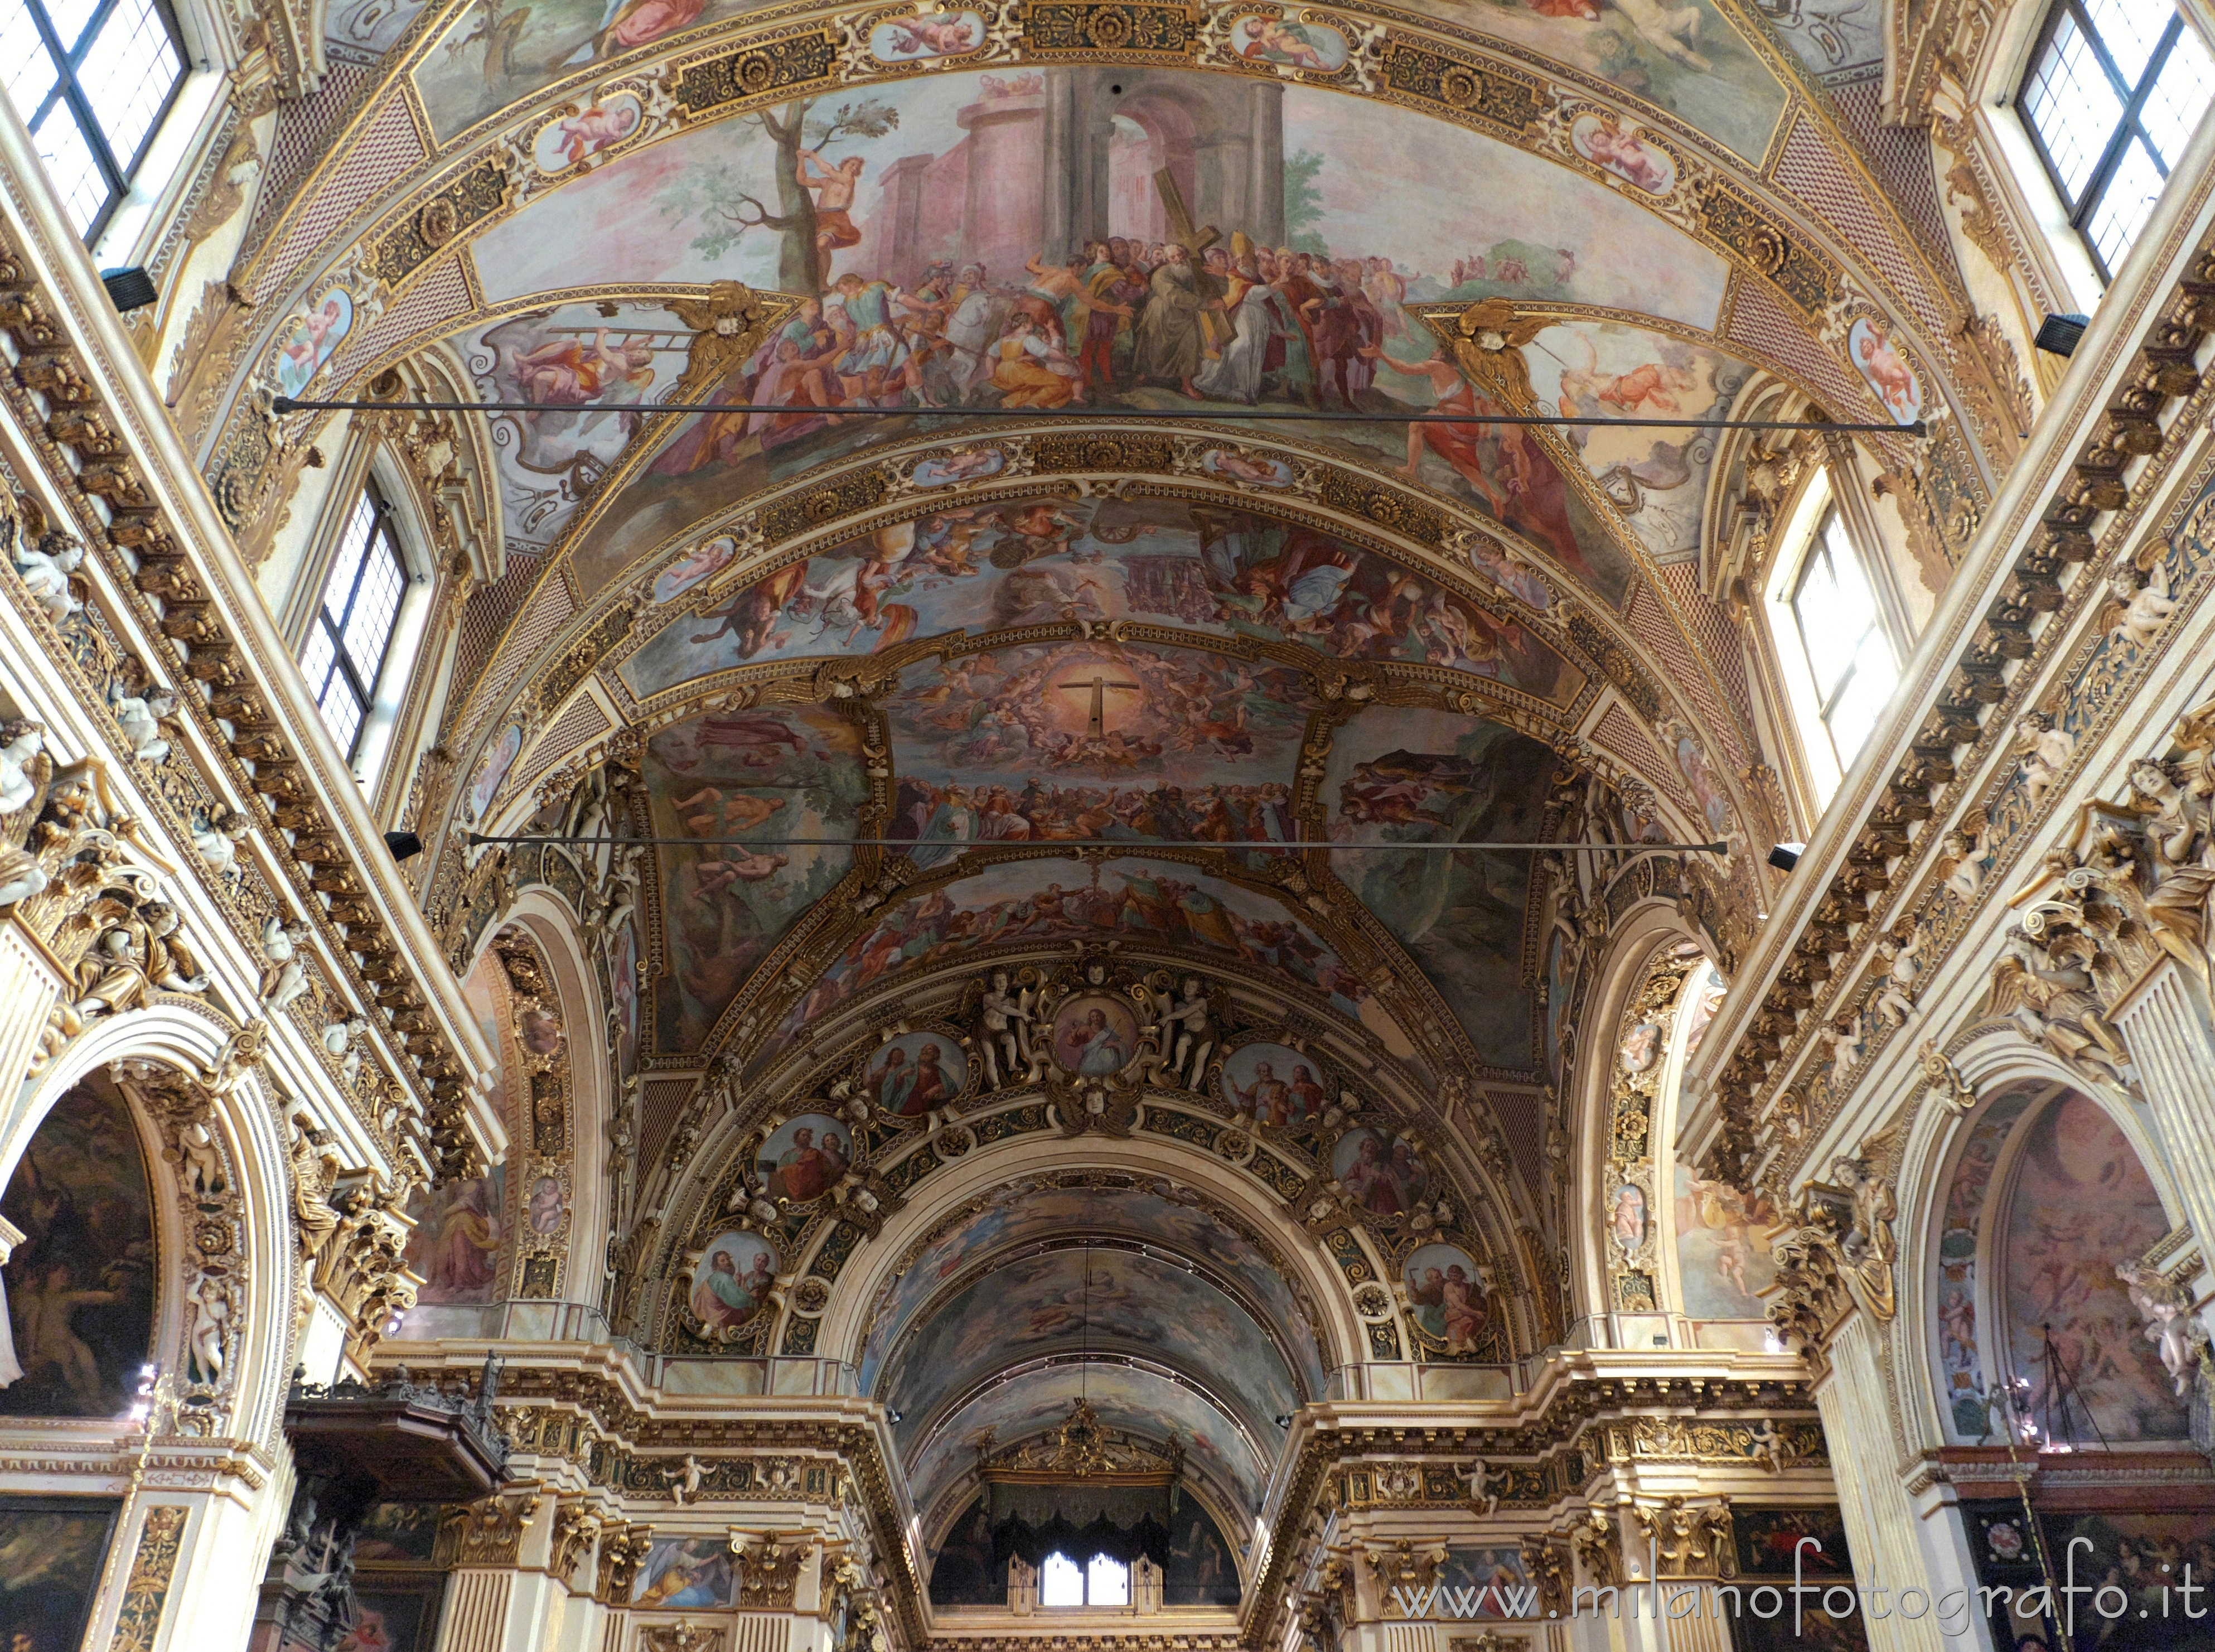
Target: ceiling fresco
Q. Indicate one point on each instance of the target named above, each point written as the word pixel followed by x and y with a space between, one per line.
pixel 1134 1302
pixel 1038 904
pixel 972 568
pixel 1258 560
pixel 1150 1404
pixel 1411 776
pixel 1027 1211
pixel 772 775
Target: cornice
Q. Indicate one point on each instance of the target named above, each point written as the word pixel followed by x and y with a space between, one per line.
pixel 112 450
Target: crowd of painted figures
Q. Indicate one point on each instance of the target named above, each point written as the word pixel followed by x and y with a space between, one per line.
pixel 1238 323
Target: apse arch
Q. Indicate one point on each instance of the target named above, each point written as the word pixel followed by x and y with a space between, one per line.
pixel 165 1050
pixel 1616 1236
pixel 1316 1288
pixel 2008 1230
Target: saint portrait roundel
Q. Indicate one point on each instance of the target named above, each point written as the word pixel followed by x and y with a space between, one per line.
pixel 1446 1296
pixel 1095 1035
pixel 916 1074
pixel 1276 1084
pixel 731 1282
pixel 805 1157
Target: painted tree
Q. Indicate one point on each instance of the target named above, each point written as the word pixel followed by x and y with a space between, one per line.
pixel 721 196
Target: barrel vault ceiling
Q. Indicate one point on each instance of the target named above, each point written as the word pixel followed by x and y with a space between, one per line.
pixel 971 636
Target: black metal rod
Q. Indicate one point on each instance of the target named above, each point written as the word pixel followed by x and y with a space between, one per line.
pixel 1301 415
pixel 1128 845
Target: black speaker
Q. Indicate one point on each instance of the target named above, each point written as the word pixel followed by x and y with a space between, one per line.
pixel 2059 334
pixel 1785 857
pixel 403 844
pixel 130 289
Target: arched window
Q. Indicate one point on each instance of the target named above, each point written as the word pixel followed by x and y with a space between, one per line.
pixel 91 80
pixel 349 642
pixel 1103 1581
pixel 1840 660
pixel 2115 90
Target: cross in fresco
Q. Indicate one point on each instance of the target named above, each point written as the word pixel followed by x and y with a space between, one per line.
pixel 1099 686
pixel 1195 240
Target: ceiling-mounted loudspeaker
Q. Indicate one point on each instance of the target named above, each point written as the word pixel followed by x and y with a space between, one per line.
pixel 1785 857
pixel 403 844
pixel 2059 334
pixel 130 289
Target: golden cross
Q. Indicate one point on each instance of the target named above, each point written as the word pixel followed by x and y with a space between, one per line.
pixel 1099 686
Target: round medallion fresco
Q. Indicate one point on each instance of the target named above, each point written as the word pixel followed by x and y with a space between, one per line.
pixel 1276 1084
pixel 731 1282
pixel 1094 1034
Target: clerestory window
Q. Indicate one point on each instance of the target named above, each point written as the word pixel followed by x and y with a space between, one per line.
pixel 2114 91
pixel 350 639
pixel 91 79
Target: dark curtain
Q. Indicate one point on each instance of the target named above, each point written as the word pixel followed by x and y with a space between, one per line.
pixel 1080 1521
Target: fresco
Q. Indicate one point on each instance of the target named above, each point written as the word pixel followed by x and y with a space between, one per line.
pixel 311 338
pixel 1656 479
pixel 493 54
pixel 984 568
pixel 1139 1401
pixel 1057 901
pixel 1500 1572
pixel 565 361
pixel 1277 1085
pixel 1090 739
pixel 1025 1212
pixel 1723 1263
pixel 1891 375
pixel 1954 1297
pixel 1446 1295
pixel 1683 57
pixel 456 1242
pixel 1381 1169
pixel 1043 1303
pixel 79 1291
pixel 2081 1199
pixel 1412 775
pixel 912 296
pixel 731 1280
pixel 1094 1035
pixel 51 1550
pixel 792 771
pixel 682 1572
pixel 805 1157
pixel 916 1074
pixel 402 1616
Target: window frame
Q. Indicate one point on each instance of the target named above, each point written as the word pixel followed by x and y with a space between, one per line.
pixel 68 91
pixel 384 531
pixel 1791 696
pixel 2129 125
pixel 1083 1569
pixel 1820 545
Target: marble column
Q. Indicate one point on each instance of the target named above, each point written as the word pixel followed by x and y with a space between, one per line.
pixel 29 982
pixel 1883 1524
pixel 2165 1025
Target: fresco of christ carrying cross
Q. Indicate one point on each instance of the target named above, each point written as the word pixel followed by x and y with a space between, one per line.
pixel 1099 686
pixel 1195 239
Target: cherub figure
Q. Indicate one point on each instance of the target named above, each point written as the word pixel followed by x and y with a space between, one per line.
pixel 217 841
pixel 287 978
pixel 1844 1035
pixel 141 706
pixel 45 568
pixel 1188 1015
pixel 2044 749
pixel 1895 995
pixel 21 742
pixel 1963 855
pixel 2139 610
